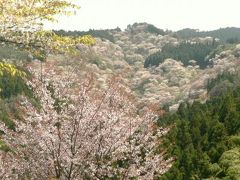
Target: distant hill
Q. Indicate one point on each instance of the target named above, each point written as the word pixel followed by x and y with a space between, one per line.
pixel 229 34
pixel 107 33
pixel 163 68
pixel 102 34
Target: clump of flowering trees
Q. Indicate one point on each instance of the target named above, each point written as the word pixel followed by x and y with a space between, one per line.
pixel 80 132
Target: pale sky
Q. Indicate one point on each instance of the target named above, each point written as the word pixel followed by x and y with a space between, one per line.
pixel 165 14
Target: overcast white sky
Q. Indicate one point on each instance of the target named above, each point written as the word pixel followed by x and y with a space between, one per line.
pixel 165 14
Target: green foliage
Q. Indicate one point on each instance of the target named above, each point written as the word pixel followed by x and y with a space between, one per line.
pixel 4 147
pixel 154 30
pixel 97 60
pixel 4 114
pixel 230 162
pixel 12 84
pixel 234 141
pixel 233 40
pixel 140 88
pixel 187 33
pixel 229 34
pixel 205 138
pixel 11 52
pixel 12 81
pixel 183 52
pixel 102 34
pixel 219 49
pixel 223 83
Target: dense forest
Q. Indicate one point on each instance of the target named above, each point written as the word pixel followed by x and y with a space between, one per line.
pixel 183 52
pixel 205 137
pixel 102 34
pixel 230 34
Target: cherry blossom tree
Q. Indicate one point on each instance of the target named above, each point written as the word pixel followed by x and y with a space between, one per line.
pixel 81 132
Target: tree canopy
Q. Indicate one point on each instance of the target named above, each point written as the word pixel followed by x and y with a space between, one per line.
pixel 22 25
pixel 205 137
pixel 229 34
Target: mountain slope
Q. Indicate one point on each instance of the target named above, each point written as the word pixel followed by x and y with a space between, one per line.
pixel 170 82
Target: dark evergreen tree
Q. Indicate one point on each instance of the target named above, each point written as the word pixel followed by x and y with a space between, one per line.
pixel 202 135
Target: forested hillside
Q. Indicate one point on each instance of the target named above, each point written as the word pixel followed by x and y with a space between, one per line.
pixel 205 137
pixel 103 34
pixel 139 103
pixel 229 34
